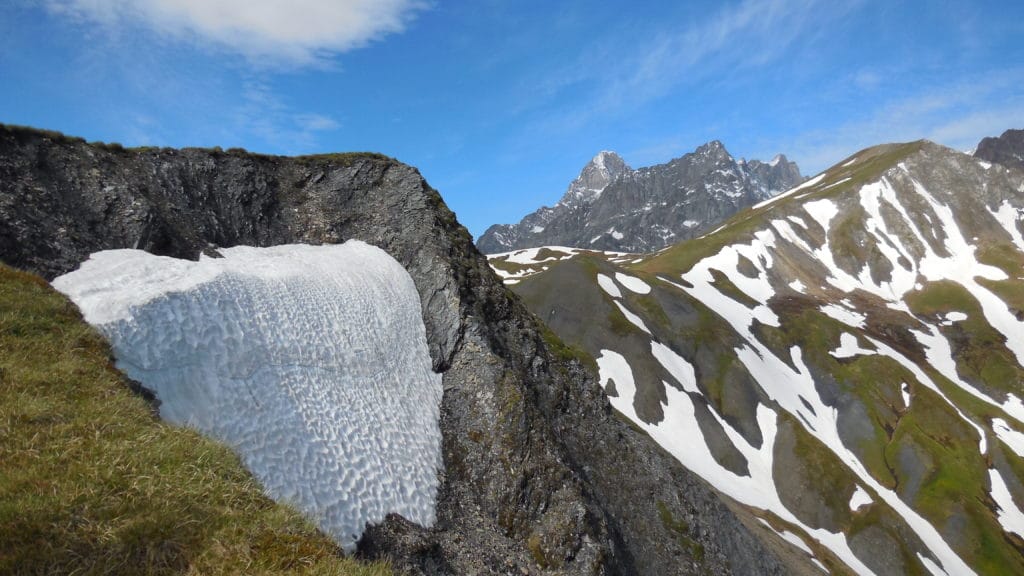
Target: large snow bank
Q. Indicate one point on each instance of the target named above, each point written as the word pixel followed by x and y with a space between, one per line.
pixel 310 361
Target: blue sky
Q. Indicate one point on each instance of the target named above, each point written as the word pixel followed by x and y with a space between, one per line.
pixel 499 103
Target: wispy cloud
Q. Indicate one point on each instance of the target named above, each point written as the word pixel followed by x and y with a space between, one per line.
pixel 723 46
pixel 266 31
pixel 266 116
pixel 957 114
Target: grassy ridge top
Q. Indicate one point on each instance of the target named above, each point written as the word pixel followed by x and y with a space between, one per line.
pixel 91 482
pixel 29 133
pixel 853 172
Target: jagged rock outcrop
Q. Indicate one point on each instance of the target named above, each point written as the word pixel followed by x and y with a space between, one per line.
pixel 1007 149
pixel 610 206
pixel 540 475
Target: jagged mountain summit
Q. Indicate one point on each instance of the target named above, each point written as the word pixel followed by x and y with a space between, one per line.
pixel 538 475
pixel 1007 149
pixel 611 206
pixel 846 360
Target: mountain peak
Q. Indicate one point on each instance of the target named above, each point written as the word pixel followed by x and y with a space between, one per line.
pixel 610 206
pixel 1007 149
pixel 714 146
pixel 602 169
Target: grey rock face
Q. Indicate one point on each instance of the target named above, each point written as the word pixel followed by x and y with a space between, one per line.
pixel 610 206
pixel 1007 149
pixel 540 477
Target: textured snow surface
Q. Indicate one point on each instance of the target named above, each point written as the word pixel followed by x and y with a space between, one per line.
pixel 310 361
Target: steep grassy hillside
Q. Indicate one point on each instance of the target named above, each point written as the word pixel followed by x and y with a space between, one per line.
pixel 91 482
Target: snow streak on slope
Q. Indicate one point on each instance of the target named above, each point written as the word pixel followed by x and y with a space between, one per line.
pixel 680 434
pixel 787 381
pixel 310 361
pixel 519 264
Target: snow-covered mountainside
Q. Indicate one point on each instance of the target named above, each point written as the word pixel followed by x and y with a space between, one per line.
pixel 611 206
pixel 310 361
pixel 845 360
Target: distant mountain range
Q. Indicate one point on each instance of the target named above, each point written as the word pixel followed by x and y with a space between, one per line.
pixel 846 360
pixel 611 206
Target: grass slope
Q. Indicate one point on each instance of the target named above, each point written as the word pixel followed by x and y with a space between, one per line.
pixel 91 482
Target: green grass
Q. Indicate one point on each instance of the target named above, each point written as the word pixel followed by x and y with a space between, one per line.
pixel 343 158
pixel 979 350
pixel 682 531
pixel 91 482
pixel 564 351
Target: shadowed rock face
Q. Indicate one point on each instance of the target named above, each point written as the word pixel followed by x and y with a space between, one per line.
pixel 1007 149
pixel 610 206
pixel 540 475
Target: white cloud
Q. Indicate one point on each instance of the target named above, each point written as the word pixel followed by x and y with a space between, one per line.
pixel 957 114
pixel 292 31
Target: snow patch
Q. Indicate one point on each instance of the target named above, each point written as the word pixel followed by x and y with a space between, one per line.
pixel 956 316
pixel 608 285
pixel 311 362
pixel 849 347
pixel 633 318
pixel 860 498
pixel 1010 516
pixel 1014 440
pixel 791 191
pixel 677 366
pixel 1008 217
pixel 848 317
pixel 633 283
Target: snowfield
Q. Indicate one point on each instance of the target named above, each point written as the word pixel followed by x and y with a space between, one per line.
pixel 311 362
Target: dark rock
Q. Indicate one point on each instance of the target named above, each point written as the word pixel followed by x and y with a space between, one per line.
pixel 1007 149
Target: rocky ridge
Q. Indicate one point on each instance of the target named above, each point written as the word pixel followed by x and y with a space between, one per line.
pixel 611 206
pixel 541 477
pixel 846 359
pixel 1007 149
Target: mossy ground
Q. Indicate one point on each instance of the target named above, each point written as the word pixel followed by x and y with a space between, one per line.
pixel 91 482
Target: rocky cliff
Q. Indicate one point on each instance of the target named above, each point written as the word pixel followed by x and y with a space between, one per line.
pixel 1007 149
pixel 610 206
pixel 540 475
